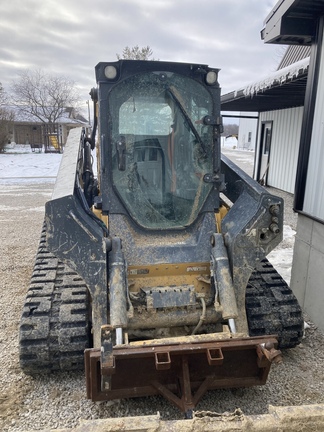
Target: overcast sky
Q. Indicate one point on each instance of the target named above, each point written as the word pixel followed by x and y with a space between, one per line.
pixel 71 37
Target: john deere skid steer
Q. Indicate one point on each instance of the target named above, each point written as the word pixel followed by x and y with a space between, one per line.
pixel 151 264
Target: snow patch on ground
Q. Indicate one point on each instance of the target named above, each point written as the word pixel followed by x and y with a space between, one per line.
pixel 29 165
pixel 281 257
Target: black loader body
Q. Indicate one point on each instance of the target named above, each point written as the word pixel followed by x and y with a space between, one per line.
pixel 166 239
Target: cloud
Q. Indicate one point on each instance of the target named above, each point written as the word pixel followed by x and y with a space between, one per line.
pixel 72 37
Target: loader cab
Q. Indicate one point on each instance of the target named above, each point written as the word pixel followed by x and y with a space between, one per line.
pixel 159 130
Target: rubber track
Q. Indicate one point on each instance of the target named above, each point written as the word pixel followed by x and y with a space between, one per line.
pixel 54 328
pixel 272 308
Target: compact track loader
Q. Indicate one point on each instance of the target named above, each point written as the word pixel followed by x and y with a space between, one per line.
pixel 151 264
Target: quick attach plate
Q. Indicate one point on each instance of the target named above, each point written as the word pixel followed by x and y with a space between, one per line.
pixel 170 296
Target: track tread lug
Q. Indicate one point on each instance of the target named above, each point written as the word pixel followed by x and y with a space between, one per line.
pixel 54 327
pixel 272 308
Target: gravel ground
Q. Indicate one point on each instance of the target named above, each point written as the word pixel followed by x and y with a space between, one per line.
pixel 58 400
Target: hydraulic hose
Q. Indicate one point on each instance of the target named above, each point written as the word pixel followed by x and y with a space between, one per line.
pixel 202 316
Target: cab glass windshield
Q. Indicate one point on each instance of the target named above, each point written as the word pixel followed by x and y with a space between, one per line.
pixel 161 148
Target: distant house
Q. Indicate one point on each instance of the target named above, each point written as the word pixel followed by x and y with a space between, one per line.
pixel 290 140
pixel 27 129
pixel 248 128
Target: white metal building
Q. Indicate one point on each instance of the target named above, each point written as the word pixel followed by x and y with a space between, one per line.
pixel 248 131
pixel 284 127
pixel 291 138
pixel 279 100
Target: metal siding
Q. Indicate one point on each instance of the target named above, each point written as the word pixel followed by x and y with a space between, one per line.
pixel 293 54
pixel 314 197
pixel 246 126
pixel 284 146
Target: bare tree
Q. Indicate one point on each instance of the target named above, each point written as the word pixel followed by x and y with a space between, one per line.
pixel 6 118
pixel 136 53
pixel 230 129
pixel 2 95
pixel 43 96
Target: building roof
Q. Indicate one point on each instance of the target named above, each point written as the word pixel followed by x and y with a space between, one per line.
pixel 69 116
pixel 284 88
pixel 292 22
pixel 293 54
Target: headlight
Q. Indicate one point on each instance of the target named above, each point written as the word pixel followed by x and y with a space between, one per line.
pixel 110 72
pixel 211 77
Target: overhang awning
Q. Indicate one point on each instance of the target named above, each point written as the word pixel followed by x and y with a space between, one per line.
pixel 292 22
pixel 284 88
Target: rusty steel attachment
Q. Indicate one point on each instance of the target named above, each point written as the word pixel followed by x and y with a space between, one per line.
pixel 181 372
